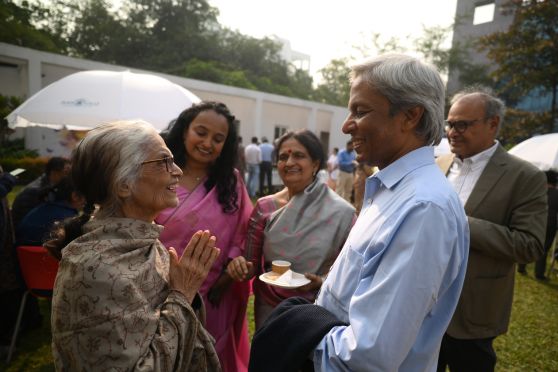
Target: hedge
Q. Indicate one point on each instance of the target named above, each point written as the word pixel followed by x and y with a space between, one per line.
pixel 34 167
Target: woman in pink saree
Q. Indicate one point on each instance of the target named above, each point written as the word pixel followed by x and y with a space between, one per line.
pixel 212 196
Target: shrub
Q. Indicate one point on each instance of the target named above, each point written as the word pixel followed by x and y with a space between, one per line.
pixel 34 167
pixel 16 149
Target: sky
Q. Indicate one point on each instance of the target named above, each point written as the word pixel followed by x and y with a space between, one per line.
pixel 327 29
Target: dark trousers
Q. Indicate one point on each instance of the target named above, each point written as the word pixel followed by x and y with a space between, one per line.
pixel 476 355
pixel 265 173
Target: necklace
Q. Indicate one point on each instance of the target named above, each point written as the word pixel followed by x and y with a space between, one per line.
pixel 188 173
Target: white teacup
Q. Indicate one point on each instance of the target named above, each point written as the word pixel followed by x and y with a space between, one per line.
pixel 280 266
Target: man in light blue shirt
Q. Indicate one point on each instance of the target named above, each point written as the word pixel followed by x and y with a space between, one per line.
pixel 398 278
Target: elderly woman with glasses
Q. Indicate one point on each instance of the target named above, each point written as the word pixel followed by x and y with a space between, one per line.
pixel 122 301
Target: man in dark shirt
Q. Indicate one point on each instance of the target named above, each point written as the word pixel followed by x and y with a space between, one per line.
pixel 34 193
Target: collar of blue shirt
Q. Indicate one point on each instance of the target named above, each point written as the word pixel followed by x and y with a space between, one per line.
pixel 393 173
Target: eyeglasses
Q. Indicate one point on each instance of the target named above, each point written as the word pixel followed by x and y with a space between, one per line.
pixel 460 126
pixel 168 160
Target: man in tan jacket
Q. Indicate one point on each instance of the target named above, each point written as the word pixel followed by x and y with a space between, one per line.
pixel 505 202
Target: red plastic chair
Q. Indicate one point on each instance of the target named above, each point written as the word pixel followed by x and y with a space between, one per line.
pixel 38 269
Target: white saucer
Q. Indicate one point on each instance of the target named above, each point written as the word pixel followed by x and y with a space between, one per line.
pixel 298 280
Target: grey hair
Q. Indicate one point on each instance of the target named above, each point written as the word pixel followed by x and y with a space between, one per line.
pixel 110 155
pixel 493 106
pixel 407 82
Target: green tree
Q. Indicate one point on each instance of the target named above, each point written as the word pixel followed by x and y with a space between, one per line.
pixel 96 33
pixel 213 71
pixel 158 35
pixel 174 36
pixel 334 86
pixel 526 55
pixel 301 84
pixel 7 105
pixel 16 27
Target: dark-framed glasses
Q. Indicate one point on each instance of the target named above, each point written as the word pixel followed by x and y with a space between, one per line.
pixel 459 125
pixel 167 160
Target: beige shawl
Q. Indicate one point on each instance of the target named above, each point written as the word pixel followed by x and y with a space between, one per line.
pixel 112 308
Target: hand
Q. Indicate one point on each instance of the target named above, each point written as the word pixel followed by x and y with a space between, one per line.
pixel 219 287
pixel 187 274
pixel 240 270
pixel 316 282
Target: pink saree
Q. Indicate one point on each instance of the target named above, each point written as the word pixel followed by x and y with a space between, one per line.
pixel 200 210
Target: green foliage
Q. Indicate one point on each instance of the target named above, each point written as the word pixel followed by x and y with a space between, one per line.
pixel 520 125
pixel 380 45
pixel 470 73
pixel 16 27
pixel 16 149
pixel 301 84
pixel 7 105
pixel 532 63
pixel 175 36
pixel 215 72
pixel 34 167
pixel 334 87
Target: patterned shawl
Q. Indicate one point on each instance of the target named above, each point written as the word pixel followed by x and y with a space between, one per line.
pixel 309 231
pixel 112 308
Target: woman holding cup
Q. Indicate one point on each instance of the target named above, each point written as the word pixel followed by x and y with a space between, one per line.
pixel 305 224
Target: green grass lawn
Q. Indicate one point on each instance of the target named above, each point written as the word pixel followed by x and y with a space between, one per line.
pixel 531 343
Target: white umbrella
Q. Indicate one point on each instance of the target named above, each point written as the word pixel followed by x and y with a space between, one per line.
pixel 541 151
pixel 83 100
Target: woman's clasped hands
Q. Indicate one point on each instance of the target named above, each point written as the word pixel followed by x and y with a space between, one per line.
pixel 187 273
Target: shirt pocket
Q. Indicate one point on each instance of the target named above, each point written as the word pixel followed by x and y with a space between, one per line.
pixel 346 276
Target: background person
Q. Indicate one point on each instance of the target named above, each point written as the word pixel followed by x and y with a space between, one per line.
pixel 121 301
pixel 240 159
pixel 265 167
pixel 35 226
pixel 306 224
pixel 505 202
pixel 212 196
pixel 346 164
pixel 34 194
pixel 332 168
pixel 253 156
